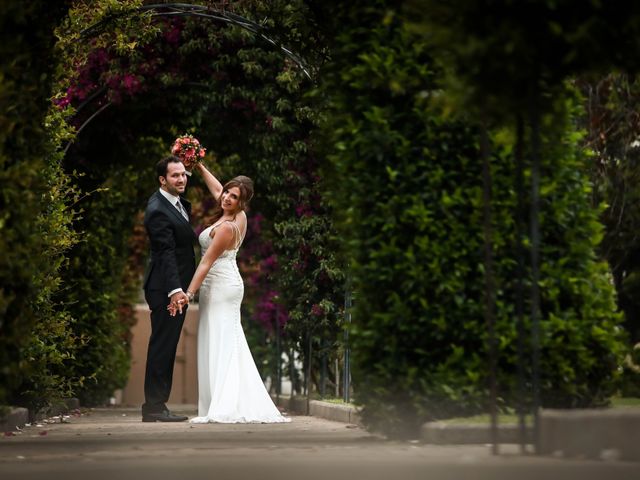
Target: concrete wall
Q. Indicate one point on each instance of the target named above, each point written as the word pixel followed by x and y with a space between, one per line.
pixel 184 390
pixel 612 433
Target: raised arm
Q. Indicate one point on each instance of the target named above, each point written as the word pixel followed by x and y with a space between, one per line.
pixel 213 184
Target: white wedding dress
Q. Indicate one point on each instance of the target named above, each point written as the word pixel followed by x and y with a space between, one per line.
pixel 230 389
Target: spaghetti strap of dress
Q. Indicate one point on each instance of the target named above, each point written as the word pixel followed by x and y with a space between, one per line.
pixel 237 235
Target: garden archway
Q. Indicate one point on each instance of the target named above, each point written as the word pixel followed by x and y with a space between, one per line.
pixel 279 126
pixel 173 10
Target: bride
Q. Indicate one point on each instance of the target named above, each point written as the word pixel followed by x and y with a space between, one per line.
pixel 230 389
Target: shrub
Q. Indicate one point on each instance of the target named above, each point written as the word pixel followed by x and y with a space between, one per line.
pixel 35 213
pixel 407 180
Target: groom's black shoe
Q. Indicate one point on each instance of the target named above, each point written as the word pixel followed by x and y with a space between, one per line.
pixel 165 416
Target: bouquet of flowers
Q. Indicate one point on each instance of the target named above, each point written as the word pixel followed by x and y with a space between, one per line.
pixel 188 149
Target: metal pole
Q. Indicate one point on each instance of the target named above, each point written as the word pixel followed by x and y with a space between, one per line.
pixel 323 369
pixel 337 377
pixel 535 262
pixel 520 273
pixel 292 372
pixel 308 375
pixel 278 363
pixel 489 285
pixel 347 361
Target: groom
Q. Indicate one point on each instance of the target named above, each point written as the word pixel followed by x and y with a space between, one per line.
pixel 171 266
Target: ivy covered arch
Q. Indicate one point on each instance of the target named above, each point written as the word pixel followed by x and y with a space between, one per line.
pixel 168 10
pixel 136 76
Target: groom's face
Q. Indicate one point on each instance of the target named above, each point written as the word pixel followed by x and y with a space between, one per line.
pixel 176 179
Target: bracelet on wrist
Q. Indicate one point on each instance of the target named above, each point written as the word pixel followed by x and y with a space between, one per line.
pixel 190 295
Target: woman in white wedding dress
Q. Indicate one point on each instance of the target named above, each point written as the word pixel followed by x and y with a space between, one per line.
pixel 230 389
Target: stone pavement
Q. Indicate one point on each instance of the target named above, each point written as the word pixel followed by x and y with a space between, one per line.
pixel 115 444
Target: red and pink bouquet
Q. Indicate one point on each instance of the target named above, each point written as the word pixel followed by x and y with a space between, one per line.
pixel 188 149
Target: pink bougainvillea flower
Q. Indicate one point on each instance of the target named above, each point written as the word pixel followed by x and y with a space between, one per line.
pixel 269 312
pixel 317 310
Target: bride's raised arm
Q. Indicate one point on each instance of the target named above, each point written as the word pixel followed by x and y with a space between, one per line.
pixel 213 184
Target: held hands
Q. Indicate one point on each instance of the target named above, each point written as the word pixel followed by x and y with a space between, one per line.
pixel 179 300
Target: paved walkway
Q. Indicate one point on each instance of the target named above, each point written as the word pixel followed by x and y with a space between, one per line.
pixel 115 444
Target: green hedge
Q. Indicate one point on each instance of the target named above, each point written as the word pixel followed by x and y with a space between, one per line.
pixel 407 179
pixel 96 290
pixel 36 343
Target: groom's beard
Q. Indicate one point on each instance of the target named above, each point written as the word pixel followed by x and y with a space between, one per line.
pixel 174 190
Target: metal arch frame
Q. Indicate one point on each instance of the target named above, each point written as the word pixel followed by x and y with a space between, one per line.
pixel 202 11
pixel 181 10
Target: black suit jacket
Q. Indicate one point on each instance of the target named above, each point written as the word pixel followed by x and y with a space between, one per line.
pixel 172 260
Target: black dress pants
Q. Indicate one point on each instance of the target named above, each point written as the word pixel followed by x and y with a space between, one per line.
pixel 161 355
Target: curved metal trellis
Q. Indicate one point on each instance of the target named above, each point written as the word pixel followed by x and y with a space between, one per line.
pixel 208 12
pixel 182 10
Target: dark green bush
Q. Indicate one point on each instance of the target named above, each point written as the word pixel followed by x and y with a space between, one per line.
pixel 630 385
pixel 96 290
pixel 610 118
pixel 36 343
pixel 407 179
pixel 48 354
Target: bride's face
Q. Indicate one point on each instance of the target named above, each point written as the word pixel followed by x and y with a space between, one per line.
pixel 230 200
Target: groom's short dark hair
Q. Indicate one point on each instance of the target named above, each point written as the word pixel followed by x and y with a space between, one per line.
pixel 163 165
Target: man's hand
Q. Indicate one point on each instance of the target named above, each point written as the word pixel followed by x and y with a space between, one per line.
pixel 179 300
pixel 188 165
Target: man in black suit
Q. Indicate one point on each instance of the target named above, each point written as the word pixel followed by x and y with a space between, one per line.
pixel 171 266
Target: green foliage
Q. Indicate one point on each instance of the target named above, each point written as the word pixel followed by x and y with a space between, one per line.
pixel 582 343
pixel 630 385
pixel 408 181
pixel 613 126
pixel 50 348
pixel 96 290
pixel 611 120
pixel 239 96
pixel 498 51
pixel 36 211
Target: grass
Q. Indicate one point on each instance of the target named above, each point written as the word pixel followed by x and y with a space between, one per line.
pixel 625 402
pixel 617 402
pixel 338 401
pixel 503 419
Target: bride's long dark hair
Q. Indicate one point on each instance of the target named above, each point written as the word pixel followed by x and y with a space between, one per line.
pixel 245 185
